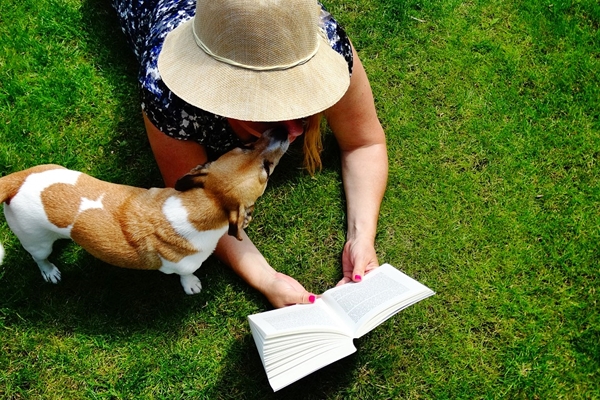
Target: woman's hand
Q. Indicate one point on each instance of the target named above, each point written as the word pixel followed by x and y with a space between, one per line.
pixel 358 258
pixel 283 290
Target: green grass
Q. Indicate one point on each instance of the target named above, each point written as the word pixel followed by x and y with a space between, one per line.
pixel 491 110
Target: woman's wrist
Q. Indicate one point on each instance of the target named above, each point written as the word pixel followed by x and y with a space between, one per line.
pixel 245 260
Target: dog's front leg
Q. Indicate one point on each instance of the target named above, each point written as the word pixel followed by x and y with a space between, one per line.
pixel 191 284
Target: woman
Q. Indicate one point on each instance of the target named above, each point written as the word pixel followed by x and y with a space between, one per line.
pixel 217 73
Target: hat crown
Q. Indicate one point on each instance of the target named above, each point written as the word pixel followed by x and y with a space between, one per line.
pixel 258 34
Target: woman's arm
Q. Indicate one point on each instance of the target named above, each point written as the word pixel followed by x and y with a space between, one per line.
pixel 356 127
pixel 176 158
pixel 245 259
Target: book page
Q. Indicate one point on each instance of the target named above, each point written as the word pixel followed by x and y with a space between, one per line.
pixel 383 292
pixel 298 318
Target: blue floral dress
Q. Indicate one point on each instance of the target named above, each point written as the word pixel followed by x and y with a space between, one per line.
pixel 146 23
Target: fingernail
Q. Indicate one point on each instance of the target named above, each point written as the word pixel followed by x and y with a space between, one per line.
pixel 357 277
pixel 312 298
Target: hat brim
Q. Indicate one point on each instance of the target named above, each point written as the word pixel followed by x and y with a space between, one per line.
pixel 249 95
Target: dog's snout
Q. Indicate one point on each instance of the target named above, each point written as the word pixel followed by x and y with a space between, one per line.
pixel 279 134
pixel 276 141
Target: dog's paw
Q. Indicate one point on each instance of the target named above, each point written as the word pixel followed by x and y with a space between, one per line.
pixel 191 284
pixel 51 274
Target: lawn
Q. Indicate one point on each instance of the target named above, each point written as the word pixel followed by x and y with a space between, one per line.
pixel 492 116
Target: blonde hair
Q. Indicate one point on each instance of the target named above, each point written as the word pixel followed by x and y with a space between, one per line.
pixel 313 144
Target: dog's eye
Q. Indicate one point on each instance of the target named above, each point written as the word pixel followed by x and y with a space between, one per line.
pixel 267 166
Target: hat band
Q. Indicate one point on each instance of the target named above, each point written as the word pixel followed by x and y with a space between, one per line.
pixel 229 61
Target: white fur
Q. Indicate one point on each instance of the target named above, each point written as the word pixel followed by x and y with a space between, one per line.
pixel 87 204
pixel 204 242
pixel 26 217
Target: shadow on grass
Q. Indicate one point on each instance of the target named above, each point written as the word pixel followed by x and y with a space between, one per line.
pixel 93 297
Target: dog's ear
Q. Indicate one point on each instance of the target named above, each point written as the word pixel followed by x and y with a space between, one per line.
pixel 193 179
pixel 239 219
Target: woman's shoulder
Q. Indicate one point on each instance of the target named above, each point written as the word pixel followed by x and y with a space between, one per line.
pixel 337 37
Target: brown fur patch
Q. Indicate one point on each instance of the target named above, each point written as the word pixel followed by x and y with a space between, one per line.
pixel 61 203
pixel 153 233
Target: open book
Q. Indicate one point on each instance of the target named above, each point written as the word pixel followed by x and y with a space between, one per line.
pixel 298 340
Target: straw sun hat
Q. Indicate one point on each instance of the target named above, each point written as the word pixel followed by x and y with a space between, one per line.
pixel 254 60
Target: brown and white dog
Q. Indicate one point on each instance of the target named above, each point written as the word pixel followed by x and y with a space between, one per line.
pixel 171 230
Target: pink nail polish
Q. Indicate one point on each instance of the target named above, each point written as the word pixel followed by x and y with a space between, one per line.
pixel 312 298
pixel 357 277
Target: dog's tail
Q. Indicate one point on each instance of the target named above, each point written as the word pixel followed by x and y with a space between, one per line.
pixel 6 193
pixel 10 184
